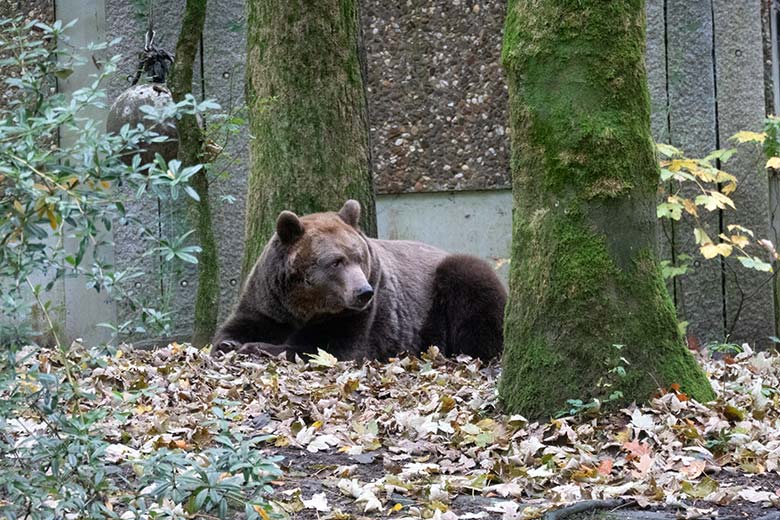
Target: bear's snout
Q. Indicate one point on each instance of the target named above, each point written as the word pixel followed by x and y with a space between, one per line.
pixel 364 295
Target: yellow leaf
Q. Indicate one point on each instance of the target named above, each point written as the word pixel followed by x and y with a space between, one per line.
pixel 749 137
pixel 106 185
pixel 774 163
pixel 52 218
pixel 262 512
pixel 711 250
pixel 322 359
pixel 143 408
pixel 722 199
pixel 739 240
pixel 741 229
pixel 701 236
pixel 722 177
pixel 447 403
pixel 679 164
pixel 690 207
pixel 18 206
pixel 728 188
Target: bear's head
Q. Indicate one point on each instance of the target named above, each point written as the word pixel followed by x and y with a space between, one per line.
pixel 327 263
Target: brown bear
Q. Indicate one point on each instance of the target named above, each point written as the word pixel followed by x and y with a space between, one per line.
pixel 321 283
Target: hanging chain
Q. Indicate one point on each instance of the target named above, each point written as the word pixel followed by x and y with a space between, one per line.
pixel 155 62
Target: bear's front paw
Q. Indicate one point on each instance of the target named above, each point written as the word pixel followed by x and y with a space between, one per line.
pixel 224 346
pixel 260 349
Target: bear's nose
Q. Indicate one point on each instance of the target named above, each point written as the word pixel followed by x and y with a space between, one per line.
pixel 364 294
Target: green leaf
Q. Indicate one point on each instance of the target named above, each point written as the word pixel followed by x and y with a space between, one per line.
pixel 669 270
pixel 703 488
pixel 748 137
pixel 200 498
pixel 192 193
pixel 755 263
pixel 669 210
pixel 668 150
pixel 186 257
pixel 63 73
pixel 721 155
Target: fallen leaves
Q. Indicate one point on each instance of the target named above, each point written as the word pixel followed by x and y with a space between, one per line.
pixel 433 431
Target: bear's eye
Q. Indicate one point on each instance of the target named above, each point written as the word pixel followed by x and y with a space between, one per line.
pixel 338 262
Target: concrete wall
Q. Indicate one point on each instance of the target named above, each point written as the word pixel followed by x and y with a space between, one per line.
pixel 438 122
pixel 473 222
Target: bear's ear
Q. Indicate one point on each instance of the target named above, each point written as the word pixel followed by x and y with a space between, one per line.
pixel 289 227
pixel 350 212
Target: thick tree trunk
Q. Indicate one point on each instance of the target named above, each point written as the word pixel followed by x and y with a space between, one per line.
pixel 190 153
pixel 584 275
pixel 307 113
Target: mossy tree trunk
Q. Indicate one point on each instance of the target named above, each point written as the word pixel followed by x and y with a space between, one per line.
pixel 584 275
pixel 307 112
pixel 191 153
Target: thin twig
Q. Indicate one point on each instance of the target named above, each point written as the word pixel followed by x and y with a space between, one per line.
pixel 60 349
pixel 583 507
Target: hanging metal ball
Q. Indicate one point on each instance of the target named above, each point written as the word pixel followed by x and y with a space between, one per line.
pixel 126 111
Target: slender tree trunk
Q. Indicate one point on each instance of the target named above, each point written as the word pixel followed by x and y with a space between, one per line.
pixel 584 275
pixel 307 113
pixel 190 153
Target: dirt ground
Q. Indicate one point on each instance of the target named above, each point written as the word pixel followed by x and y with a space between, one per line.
pixel 318 472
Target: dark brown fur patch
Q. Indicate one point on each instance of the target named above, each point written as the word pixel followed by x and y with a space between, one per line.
pixel 298 297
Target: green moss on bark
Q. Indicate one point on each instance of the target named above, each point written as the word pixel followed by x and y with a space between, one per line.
pixel 583 275
pixel 308 114
pixel 190 153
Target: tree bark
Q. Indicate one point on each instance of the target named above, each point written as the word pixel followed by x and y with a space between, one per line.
pixel 190 154
pixel 584 275
pixel 307 113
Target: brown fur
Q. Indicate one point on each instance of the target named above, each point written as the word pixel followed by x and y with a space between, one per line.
pixel 321 283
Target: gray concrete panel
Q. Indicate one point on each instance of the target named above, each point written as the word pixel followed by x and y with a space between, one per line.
pixel 126 20
pixel 476 222
pixel 693 128
pixel 165 286
pixel 655 62
pixel 740 76
pixel 224 43
pixel 85 307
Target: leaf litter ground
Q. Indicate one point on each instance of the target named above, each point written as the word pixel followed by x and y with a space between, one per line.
pixel 427 438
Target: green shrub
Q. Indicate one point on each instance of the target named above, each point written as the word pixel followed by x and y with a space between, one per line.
pixel 55 459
